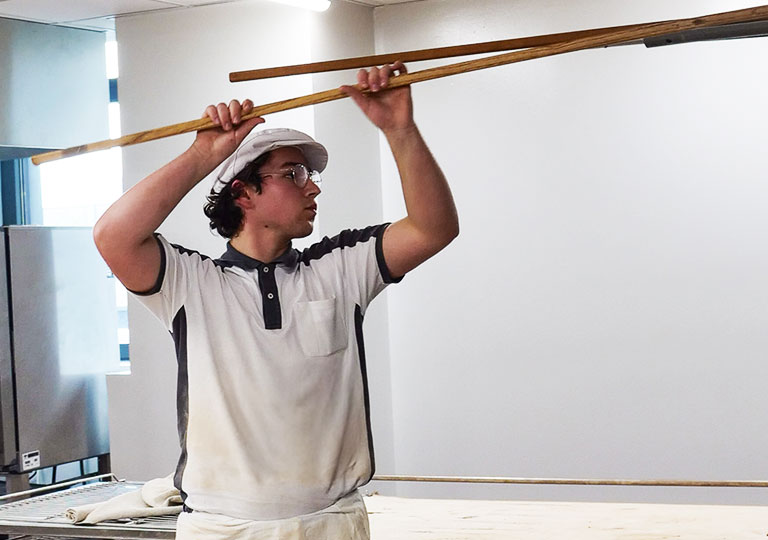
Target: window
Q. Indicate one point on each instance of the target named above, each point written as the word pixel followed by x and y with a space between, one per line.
pixel 76 191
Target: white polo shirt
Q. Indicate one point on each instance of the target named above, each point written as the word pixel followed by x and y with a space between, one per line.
pixel 273 410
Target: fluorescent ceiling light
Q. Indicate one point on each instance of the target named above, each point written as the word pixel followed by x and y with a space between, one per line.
pixel 315 5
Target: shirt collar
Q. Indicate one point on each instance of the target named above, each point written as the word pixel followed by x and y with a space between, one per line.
pixel 231 256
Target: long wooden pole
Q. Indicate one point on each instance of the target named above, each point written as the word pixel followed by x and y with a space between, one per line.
pixel 574 481
pixel 421 54
pixel 614 37
pixel 727 31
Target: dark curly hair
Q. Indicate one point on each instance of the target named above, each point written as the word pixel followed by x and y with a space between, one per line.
pixel 226 217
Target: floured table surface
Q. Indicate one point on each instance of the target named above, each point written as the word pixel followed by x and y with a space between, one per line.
pixel 396 518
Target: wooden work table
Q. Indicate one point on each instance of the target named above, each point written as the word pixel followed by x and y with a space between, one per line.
pixel 397 518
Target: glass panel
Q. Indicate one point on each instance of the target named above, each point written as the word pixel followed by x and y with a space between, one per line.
pixel 78 190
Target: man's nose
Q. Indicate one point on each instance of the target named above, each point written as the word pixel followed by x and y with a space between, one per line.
pixel 312 188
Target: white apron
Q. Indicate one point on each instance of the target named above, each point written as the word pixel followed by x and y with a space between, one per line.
pixel 345 520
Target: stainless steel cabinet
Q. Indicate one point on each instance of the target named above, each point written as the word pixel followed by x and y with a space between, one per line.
pixel 58 337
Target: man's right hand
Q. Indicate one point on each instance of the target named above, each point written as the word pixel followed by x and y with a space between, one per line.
pixel 215 145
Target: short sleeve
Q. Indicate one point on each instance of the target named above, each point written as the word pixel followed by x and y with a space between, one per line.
pixel 362 261
pixel 176 276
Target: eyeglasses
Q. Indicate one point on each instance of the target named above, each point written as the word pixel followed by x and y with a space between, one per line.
pixel 298 174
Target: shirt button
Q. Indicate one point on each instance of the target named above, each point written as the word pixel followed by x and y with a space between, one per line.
pixel 266 269
pixel 270 296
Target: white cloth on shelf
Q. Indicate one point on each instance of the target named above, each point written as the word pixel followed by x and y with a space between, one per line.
pixel 155 498
pixel 161 493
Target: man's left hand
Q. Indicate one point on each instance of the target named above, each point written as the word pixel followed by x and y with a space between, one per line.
pixel 390 110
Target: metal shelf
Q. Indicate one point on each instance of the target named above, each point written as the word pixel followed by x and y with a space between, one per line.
pixel 43 516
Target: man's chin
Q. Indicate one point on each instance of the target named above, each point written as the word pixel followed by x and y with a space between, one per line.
pixel 305 231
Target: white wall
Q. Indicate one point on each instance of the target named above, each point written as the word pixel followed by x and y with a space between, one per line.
pixel 603 313
pixel 172 64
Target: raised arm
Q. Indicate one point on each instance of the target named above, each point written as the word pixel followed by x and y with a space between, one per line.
pixel 432 221
pixel 124 234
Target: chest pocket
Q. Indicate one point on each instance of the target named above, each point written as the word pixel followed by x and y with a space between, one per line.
pixel 321 327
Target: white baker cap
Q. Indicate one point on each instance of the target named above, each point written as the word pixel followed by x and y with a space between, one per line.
pixel 265 141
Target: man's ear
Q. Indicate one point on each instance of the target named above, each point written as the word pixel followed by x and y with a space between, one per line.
pixel 238 188
pixel 240 193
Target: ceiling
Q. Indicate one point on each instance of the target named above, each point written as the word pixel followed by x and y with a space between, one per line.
pixel 101 14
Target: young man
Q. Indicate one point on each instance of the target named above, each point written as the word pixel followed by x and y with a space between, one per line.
pixel 272 395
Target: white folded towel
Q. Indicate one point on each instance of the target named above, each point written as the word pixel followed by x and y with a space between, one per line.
pixel 161 492
pixel 155 498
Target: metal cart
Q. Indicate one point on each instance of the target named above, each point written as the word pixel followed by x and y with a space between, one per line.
pixel 41 517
